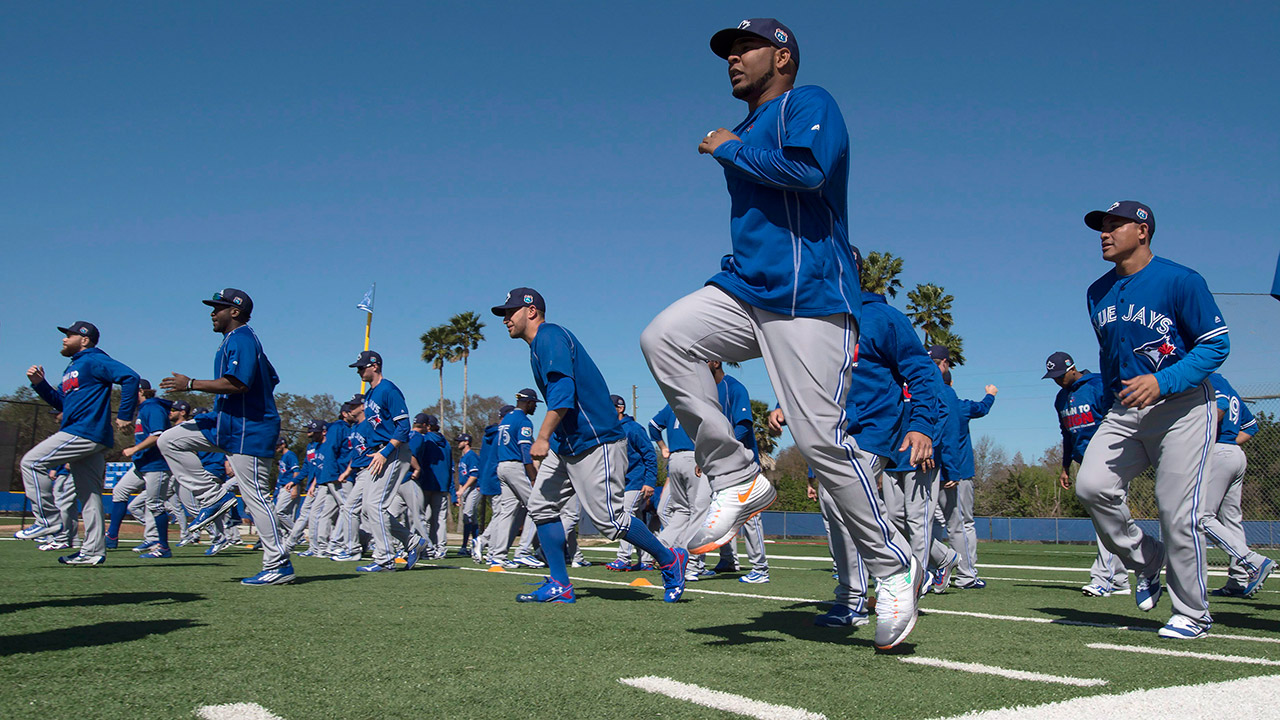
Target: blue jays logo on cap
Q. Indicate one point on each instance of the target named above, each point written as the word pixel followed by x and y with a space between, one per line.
pixel 528 298
pixel 781 36
pixel 1142 214
pixel 744 24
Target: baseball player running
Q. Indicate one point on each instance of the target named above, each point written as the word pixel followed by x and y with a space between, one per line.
pixel 589 454
pixel 1081 404
pixel 83 396
pixel 788 294
pixel 244 424
pixel 468 491
pixel 387 447
pixel 308 481
pixel 1221 517
pixel 289 492
pixel 516 471
pixel 435 476
pixel 149 465
pixel 1160 335
pixel 642 478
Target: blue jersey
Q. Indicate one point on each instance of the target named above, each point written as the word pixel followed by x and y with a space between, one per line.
pixel 435 462
pixel 245 423
pixel 288 468
pixel 888 357
pixel 359 444
pixel 788 182
pixel 969 410
pixel 515 438
pixel 468 467
pixel 215 463
pixel 677 439
pixel 1236 418
pixel 735 403
pixel 388 416
pixel 309 469
pixel 489 483
pixel 333 454
pixel 642 461
pixel 568 379
pixel 153 419
pixel 1161 320
pixel 946 446
pixel 84 395
pixel 1081 407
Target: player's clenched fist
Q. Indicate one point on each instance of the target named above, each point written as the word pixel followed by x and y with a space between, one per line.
pixel 35 374
pixel 715 139
pixel 541 447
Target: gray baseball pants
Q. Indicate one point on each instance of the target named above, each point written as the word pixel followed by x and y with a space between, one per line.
pixel 376 512
pixel 152 500
pixel 409 502
pixel 631 503
pixel 306 518
pixel 287 507
pixel 328 537
pixel 510 513
pixel 1176 435
pixel 809 361
pixel 940 554
pixel 64 497
pixel 957 508
pixel 907 499
pixel 687 495
pixel 88 471
pixel 1221 518
pixel 436 518
pixel 851 574
pixel 1107 570
pixel 179 445
pixel 469 502
pixel 596 476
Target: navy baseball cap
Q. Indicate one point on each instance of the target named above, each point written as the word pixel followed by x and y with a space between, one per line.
pixel 772 31
pixel 366 358
pixel 144 384
pixel 1057 365
pixel 350 405
pixel 857 259
pixel 282 440
pixel 946 376
pixel 1127 209
pixel 502 411
pixel 231 297
pixel 181 405
pixel 939 352
pixel 315 426
pixel 80 327
pixel 464 437
pixel 518 298
pixel 618 401
pixel 528 394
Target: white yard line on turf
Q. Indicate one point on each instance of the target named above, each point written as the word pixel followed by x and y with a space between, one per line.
pixel 728 702
pixel 1241 659
pixel 1003 672
pixel 1252 697
pixel 923 611
pixel 236 711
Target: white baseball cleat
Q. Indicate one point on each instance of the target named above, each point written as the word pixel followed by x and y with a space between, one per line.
pixel 730 509
pixel 897 605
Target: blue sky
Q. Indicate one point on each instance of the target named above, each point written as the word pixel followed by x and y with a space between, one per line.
pixel 157 152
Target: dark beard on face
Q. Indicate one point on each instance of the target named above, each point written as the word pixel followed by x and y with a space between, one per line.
pixel 742 92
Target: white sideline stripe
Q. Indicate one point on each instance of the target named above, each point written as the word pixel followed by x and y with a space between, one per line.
pixel 1241 659
pixel 236 711
pixel 719 700
pixel 1247 697
pixel 923 611
pixel 1003 672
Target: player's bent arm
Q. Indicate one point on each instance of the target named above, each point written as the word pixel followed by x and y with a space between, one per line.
pixel 790 168
pixel 1202 360
pixel 1243 437
pixel 225 385
pixel 550 421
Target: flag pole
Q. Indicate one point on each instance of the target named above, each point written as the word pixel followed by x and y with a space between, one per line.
pixel 367 306
pixel 368 327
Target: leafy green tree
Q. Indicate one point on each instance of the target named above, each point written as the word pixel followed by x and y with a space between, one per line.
pixel 930 311
pixel 438 349
pixel 480 413
pixel 765 442
pixel 880 273
pixel 467 336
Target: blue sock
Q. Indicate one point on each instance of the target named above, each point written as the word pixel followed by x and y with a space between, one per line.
pixel 641 537
pixel 118 509
pixel 162 527
pixel 551 534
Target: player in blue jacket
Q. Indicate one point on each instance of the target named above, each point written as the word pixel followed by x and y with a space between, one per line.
pixel 488 485
pixel 1160 335
pixel 687 488
pixel 288 494
pixel 735 402
pixel 434 462
pixel 244 424
pixel 789 294
pixel 84 398
pixel 957 498
pixel 308 477
pixel 150 474
pixel 581 447
pixel 1221 518
pixel 1081 404
pixel 515 469
pixel 340 514
pixel 468 491
pixel 642 478
pixel 387 441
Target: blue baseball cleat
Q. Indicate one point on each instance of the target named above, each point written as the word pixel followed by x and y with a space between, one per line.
pixel 1259 577
pixel 276 576
pixel 755 577
pixel 1181 627
pixel 673 576
pixel 37 530
pixel 841 616
pixel 145 546
pixel 1147 592
pixel 219 508
pixel 416 546
pixel 619 565
pixel 549 591
pixel 374 567
pixel 157 553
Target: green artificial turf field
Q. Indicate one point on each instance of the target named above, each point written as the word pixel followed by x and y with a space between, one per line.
pixel 160 639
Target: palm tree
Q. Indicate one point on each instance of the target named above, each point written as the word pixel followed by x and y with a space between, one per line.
pixel 438 349
pixel 930 310
pixel 467 336
pixel 880 273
